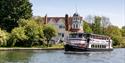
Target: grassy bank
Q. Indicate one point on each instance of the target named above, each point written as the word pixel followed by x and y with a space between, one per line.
pixel 50 46
pixel 42 47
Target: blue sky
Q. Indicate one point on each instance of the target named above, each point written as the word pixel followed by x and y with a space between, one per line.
pixel 114 9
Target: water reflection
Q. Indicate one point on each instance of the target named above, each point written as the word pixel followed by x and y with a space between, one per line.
pixel 89 53
pixel 14 56
pixel 58 56
pixel 78 53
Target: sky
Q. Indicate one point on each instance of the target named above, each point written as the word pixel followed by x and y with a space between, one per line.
pixel 113 9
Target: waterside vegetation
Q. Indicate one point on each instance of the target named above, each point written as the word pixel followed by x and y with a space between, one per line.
pixel 98 27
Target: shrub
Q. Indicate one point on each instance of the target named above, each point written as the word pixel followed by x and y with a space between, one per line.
pixel 4 36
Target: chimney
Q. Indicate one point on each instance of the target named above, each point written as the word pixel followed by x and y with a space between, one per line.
pixel 66 22
pixel 45 19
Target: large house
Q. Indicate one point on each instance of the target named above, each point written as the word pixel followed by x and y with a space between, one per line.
pixel 65 25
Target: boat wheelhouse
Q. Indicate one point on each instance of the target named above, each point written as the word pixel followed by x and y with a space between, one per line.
pixel 88 42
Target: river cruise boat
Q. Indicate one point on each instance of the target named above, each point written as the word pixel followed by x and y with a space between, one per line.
pixel 88 42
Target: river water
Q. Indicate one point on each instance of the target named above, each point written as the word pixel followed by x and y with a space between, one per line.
pixel 58 56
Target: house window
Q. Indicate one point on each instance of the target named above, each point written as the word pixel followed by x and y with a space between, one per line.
pixel 61 26
pixel 73 18
pixel 76 25
pixel 78 18
pixel 61 34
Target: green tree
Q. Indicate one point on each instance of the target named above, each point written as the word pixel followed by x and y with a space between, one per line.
pixel 17 37
pixel 123 31
pixel 12 10
pixel 96 27
pixel 115 33
pixel 86 27
pixel 49 32
pixel 33 30
pixel 29 33
pixel 4 36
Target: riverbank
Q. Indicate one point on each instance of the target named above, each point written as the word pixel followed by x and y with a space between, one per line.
pixel 31 48
pixel 52 47
pixel 20 48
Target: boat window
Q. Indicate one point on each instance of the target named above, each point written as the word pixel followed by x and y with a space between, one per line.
pixel 99 37
pixel 103 46
pixel 76 35
pixel 98 46
pixel 80 35
pixel 72 36
pixel 92 46
pixel 87 35
pixel 95 46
